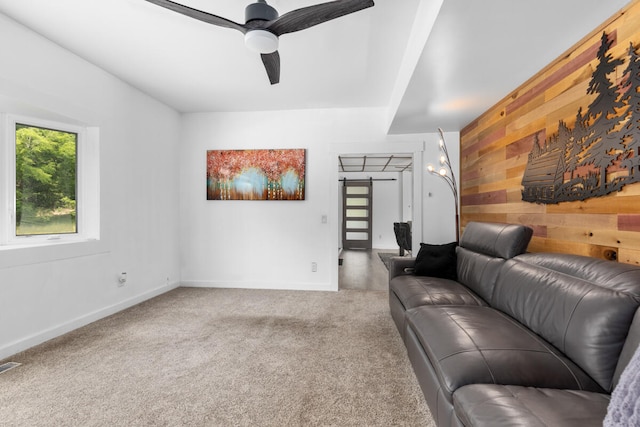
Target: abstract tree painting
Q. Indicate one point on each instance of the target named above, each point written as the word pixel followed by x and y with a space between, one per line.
pixel 256 174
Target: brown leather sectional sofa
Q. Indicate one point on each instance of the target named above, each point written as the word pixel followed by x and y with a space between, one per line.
pixel 528 339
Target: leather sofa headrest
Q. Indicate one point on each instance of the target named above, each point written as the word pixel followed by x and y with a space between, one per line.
pixel 496 239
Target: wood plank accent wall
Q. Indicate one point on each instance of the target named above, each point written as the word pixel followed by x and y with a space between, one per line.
pixel 494 150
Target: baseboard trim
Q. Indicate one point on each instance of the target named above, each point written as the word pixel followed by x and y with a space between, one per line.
pixel 325 287
pixel 56 331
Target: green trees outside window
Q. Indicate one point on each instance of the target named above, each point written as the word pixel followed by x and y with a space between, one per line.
pixel 45 181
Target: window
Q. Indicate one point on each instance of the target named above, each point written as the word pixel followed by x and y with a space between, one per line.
pixel 50 186
pixel 45 193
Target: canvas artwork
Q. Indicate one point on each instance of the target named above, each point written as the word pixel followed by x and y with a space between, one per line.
pixel 256 174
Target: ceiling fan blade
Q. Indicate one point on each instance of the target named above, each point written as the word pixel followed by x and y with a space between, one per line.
pixel 306 17
pixel 200 15
pixel 271 63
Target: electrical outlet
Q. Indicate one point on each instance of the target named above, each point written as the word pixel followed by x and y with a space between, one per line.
pixel 314 267
pixel 122 278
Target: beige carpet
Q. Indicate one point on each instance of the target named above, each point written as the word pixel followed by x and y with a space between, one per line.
pixel 214 357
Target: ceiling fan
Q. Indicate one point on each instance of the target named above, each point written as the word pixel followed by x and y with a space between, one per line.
pixel 263 25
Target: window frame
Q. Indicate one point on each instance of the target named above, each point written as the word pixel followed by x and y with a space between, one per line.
pixel 87 184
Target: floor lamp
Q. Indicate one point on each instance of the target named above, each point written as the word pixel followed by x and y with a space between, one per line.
pixel 446 173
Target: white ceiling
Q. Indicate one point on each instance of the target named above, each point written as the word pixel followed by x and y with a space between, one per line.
pixel 480 51
pixel 476 53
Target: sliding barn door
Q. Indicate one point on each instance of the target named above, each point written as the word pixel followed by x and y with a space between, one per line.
pixel 357 214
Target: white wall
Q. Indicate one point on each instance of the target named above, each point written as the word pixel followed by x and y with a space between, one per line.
pixel 270 244
pixel 48 291
pixel 156 223
pixel 407 194
pixel 387 206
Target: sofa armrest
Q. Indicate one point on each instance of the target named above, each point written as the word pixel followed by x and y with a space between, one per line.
pixel 399 266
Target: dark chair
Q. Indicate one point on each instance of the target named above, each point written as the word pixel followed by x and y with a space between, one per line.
pixel 403 236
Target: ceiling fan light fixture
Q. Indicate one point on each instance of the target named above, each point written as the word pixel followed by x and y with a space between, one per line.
pixel 263 25
pixel 260 11
pixel 261 41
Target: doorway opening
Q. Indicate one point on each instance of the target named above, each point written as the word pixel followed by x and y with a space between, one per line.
pixel 375 191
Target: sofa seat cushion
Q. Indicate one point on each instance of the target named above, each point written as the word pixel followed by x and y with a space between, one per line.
pixel 480 345
pixel 488 405
pixel 414 291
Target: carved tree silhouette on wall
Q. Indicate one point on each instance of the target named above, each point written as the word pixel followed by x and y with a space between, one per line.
pixel 599 155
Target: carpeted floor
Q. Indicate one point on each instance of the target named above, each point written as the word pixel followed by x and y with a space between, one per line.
pixel 216 357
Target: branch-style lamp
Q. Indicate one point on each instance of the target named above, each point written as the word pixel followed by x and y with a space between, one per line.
pixel 445 171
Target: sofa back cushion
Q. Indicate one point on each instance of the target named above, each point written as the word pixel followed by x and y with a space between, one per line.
pixel 631 344
pixel 495 239
pixel 483 248
pixel 477 271
pixel 583 306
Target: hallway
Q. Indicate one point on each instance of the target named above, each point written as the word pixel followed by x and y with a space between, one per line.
pixel 363 269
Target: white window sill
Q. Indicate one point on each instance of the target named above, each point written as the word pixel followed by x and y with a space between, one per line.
pixel 14 255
